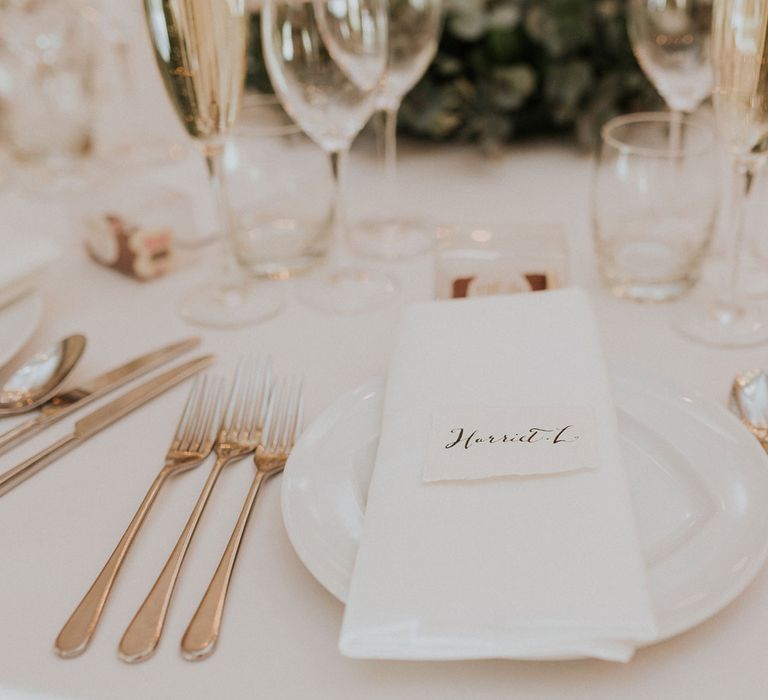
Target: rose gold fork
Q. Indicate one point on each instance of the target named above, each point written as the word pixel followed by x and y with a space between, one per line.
pixel 239 435
pixel 191 444
pixel 281 428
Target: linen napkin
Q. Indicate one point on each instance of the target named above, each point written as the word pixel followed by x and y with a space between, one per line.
pixel 23 262
pixel 531 566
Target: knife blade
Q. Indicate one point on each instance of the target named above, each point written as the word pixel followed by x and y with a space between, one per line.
pixel 66 402
pixel 101 418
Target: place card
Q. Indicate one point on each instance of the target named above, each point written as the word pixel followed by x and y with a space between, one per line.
pixel 480 442
pixel 501 258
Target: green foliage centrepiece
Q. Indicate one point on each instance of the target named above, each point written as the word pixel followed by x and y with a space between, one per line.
pixel 515 68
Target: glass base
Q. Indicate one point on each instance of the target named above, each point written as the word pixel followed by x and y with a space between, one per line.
pixel 346 290
pixel 723 324
pixel 391 239
pixel 210 305
pixel 753 276
pixel 652 292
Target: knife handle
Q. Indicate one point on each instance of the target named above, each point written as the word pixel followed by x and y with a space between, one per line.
pixel 23 430
pixel 21 472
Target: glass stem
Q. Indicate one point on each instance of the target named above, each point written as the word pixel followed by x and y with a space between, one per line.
pixel 676 131
pixel 230 278
pixel 390 153
pixel 743 175
pixel 378 130
pixel 339 212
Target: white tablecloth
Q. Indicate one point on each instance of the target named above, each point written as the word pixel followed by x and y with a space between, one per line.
pixel 281 628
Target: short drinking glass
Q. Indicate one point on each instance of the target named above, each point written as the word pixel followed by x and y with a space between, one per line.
pixel 281 191
pixel 654 204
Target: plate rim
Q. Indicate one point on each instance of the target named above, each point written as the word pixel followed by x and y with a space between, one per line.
pixel 616 372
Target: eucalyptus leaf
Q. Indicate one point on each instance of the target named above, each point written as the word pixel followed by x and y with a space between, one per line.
pixel 512 85
pixel 506 15
pixel 561 26
pixel 468 26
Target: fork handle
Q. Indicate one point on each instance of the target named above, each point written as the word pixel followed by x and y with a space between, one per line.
pixel 143 633
pixel 76 633
pixel 203 631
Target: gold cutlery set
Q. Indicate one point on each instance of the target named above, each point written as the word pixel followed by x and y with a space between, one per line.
pixel 255 417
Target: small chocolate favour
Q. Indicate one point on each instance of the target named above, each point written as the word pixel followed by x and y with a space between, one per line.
pixel 475 261
pixel 506 283
pixel 140 253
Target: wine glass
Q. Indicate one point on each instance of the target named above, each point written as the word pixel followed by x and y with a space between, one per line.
pixel 414 31
pixel 200 47
pixel 739 58
pixel 326 59
pixel 670 39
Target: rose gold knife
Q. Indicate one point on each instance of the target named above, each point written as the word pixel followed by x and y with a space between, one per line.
pixel 99 419
pixel 66 402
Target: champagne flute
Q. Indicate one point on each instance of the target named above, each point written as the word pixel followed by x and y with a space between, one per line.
pixel 740 62
pixel 326 59
pixel 200 48
pixel 671 41
pixel 414 32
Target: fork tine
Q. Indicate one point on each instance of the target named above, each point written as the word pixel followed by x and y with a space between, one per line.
pixel 281 413
pixel 217 411
pixel 242 425
pixel 273 410
pixel 208 413
pixel 265 389
pixel 262 400
pixel 285 427
pixel 200 410
pixel 181 426
pixel 270 415
pixel 297 415
pixel 229 406
pixel 246 425
pixel 196 417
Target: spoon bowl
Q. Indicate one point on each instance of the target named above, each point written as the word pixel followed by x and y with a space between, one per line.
pixel 749 401
pixel 40 376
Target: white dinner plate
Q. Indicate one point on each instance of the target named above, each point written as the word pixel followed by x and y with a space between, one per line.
pixel 18 322
pixel 699 485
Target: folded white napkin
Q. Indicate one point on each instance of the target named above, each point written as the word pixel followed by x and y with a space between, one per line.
pixel 23 262
pixel 529 567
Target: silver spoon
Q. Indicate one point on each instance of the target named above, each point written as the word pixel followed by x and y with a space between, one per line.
pixel 749 401
pixel 40 376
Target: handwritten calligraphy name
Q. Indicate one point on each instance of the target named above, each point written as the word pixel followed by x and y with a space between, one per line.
pixel 554 436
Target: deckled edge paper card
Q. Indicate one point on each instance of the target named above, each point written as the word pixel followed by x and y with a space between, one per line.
pixel 479 442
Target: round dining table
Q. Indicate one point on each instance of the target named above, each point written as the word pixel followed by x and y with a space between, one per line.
pixel 281 627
